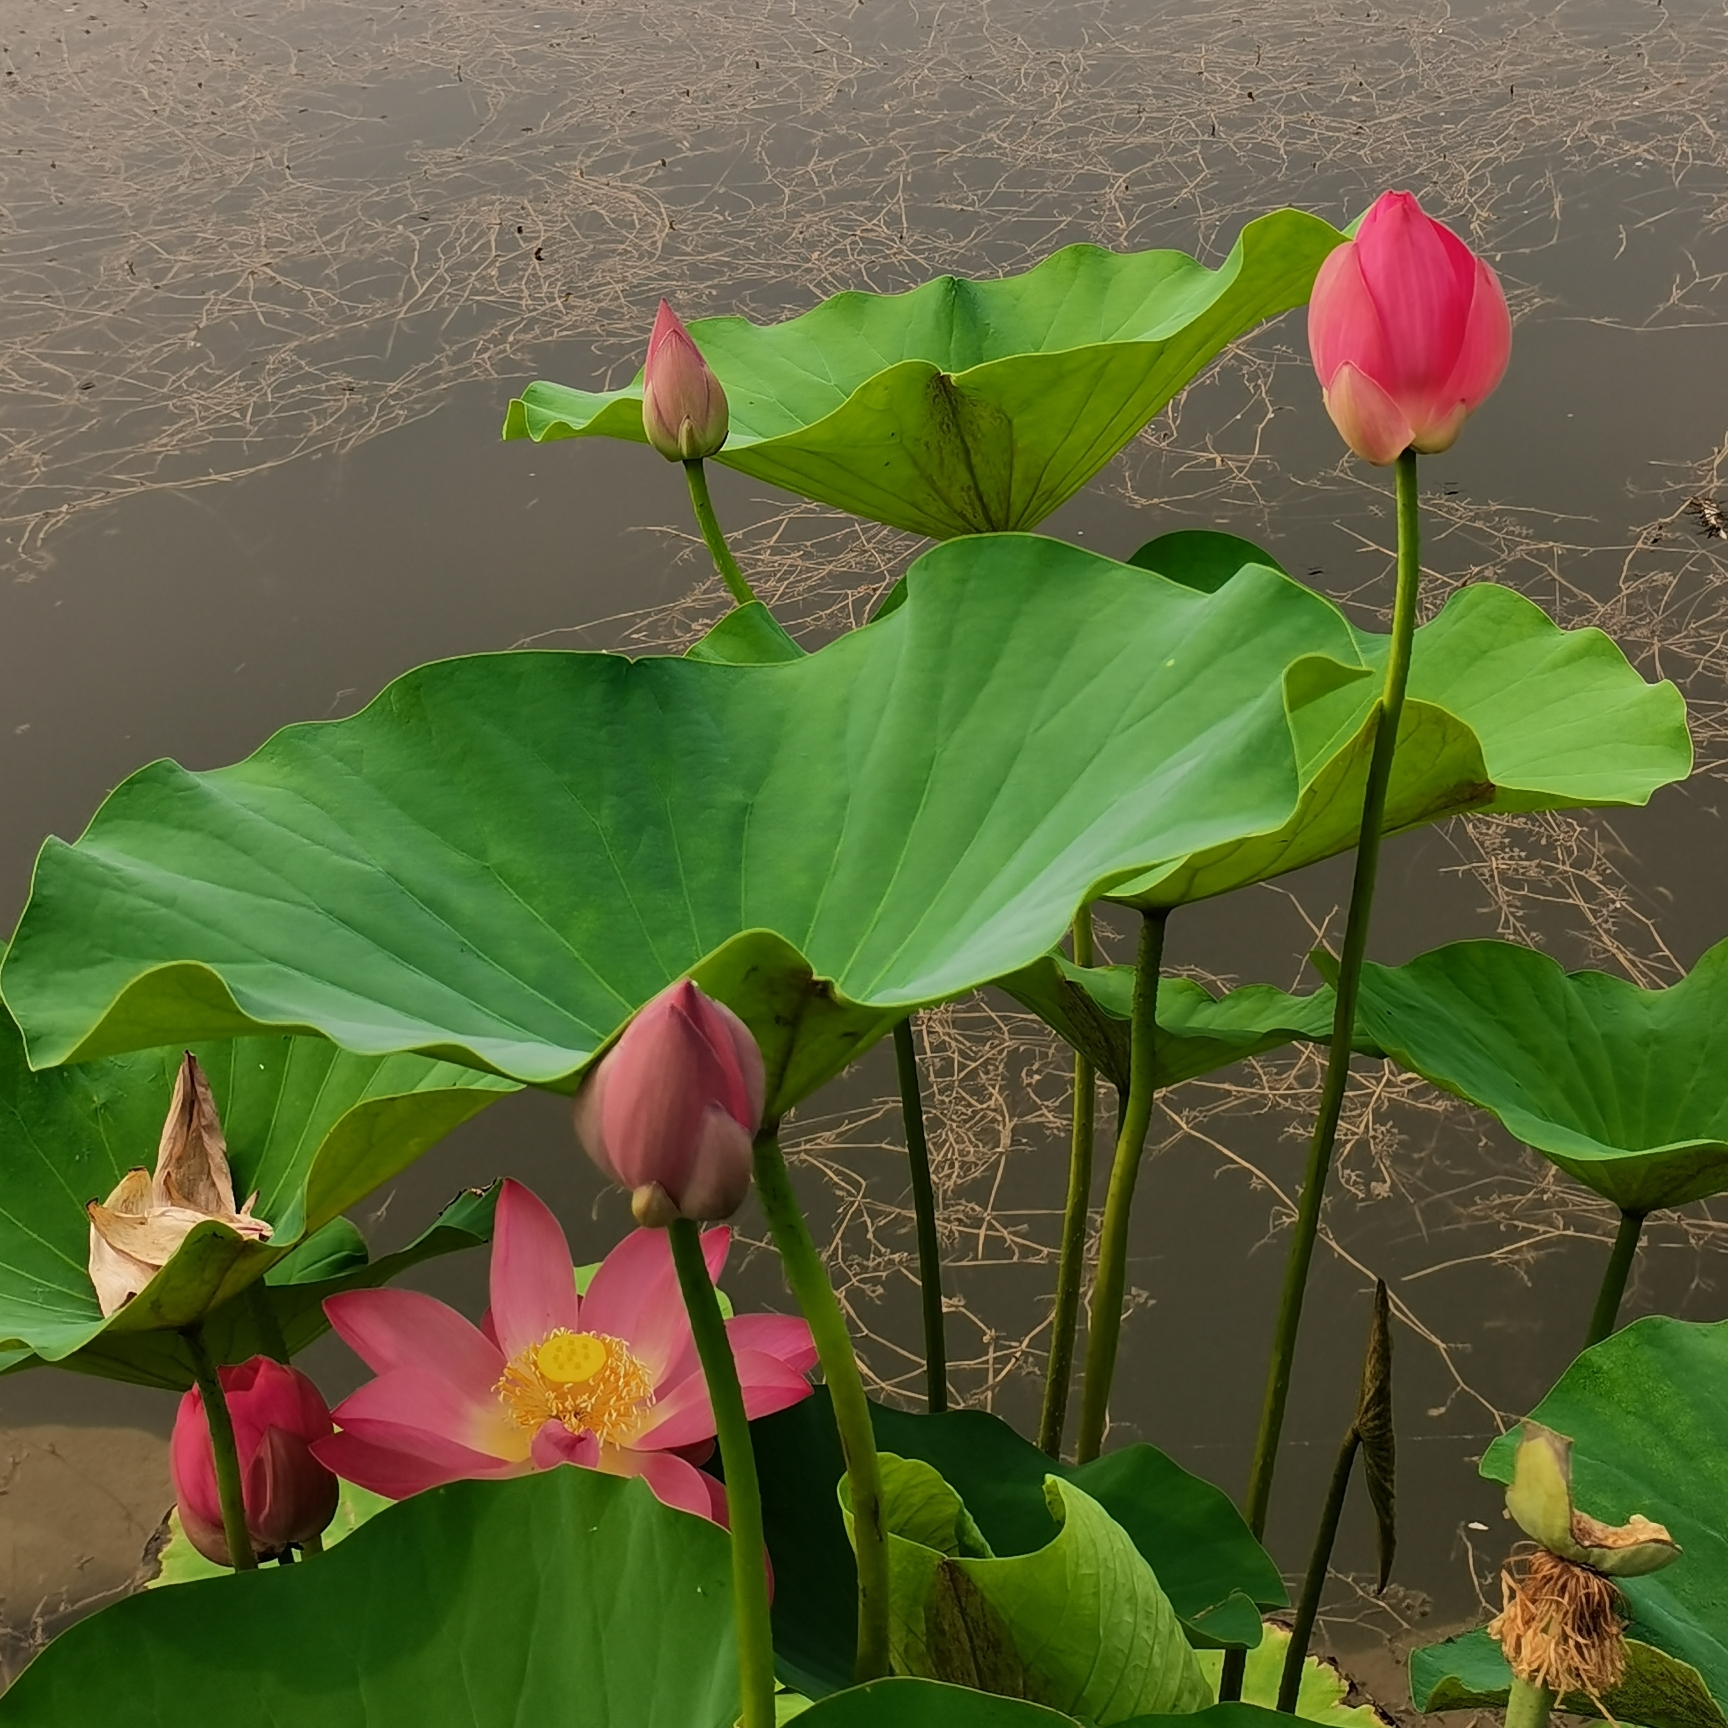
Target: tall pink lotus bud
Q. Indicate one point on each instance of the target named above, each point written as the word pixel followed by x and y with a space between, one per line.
pixel 290 1497
pixel 671 1109
pixel 1409 332
pixel 683 407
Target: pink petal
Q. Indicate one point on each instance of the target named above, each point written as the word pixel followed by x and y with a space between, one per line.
pixel 390 1329
pixel 192 1464
pixel 721 1169
pixel 415 1402
pixel 1369 421
pixel 1342 322
pixel 685 1416
pixel 555 1444
pixel 728 1034
pixel 397 1474
pixel 673 1481
pixel 1421 278
pixel 586 1113
pixel 635 1297
pixel 1487 343
pixel 533 1281
pixel 782 1335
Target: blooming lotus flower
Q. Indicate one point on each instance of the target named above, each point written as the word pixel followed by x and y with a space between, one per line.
pixel 136 1231
pixel 684 409
pixel 290 1497
pixel 1409 332
pixel 609 1380
pixel 670 1110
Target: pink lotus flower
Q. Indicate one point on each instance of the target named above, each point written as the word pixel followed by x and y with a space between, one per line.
pixel 670 1110
pixel 684 409
pixel 279 1416
pixel 609 1380
pixel 1409 332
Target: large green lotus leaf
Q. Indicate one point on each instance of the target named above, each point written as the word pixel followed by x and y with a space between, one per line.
pixel 1218 1578
pixel 1080 1624
pixel 1091 1007
pixel 562 1597
pixel 501 858
pixel 1647 1412
pixel 1625 1089
pixel 1504 713
pixel 902 1702
pixel 963 407
pixel 310 1128
pixel 281 1313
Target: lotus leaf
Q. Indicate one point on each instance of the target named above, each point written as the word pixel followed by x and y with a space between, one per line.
pixel 479 1605
pixel 1625 1089
pixel 1080 1624
pixel 1218 1578
pixel 311 1128
pixel 502 857
pixel 963 407
pixel 1647 1413
pixel 1322 1693
pixel 1090 1007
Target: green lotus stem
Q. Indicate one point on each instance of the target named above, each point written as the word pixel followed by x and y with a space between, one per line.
pixel 1528 1705
pixel 1319 1564
pixel 743 1495
pixel 1388 714
pixel 1104 1325
pixel 924 1212
pixel 809 1280
pixel 227 1455
pixel 1614 1276
pixel 1071 1269
pixel 709 523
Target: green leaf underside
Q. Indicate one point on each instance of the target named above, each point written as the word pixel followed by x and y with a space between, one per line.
pixel 1080 1623
pixel 560 1596
pixel 502 857
pixel 1198 1033
pixel 1320 1697
pixel 310 1128
pixel 964 407
pixel 1647 1411
pixel 1218 1578
pixel 1619 1086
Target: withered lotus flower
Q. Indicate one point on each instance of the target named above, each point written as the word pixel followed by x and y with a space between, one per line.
pixel 136 1231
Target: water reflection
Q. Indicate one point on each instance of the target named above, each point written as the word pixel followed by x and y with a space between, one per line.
pixel 269 279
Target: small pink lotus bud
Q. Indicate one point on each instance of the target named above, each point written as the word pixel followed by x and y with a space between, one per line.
pixel 670 1111
pixel 290 1497
pixel 1409 332
pixel 683 407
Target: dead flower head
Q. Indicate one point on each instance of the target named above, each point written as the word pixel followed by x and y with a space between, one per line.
pixel 136 1231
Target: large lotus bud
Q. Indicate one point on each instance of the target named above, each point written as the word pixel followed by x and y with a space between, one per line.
pixel 1409 332
pixel 137 1230
pixel 683 407
pixel 290 1497
pixel 672 1108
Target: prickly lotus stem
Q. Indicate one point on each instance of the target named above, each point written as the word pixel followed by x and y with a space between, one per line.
pixel 1561 1626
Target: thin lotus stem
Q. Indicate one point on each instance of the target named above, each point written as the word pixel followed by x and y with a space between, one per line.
pixel 1528 1705
pixel 1104 1326
pixel 743 1495
pixel 1319 1563
pixel 709 523
pixel 809 1280
pixel 1614 1276
pixel 1388 713
pixel 1071 1269
pixel 227 1454
pixel 924 1211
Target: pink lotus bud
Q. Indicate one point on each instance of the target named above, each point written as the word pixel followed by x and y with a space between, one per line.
pixel 671 1109
pixel 1409 332
pixel 683 407
pixel 290 1497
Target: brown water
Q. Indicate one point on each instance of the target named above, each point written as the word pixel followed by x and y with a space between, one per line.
pixel 267 280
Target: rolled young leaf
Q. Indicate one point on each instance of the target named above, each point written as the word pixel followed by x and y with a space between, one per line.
pixel 965 407
pixel 503 857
